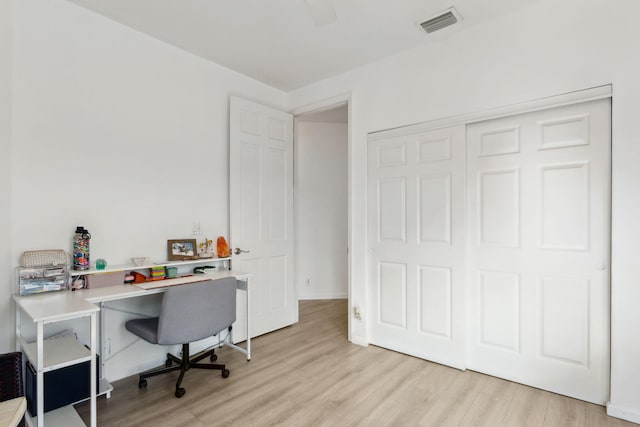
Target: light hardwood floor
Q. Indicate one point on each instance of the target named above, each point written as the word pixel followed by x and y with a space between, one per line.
pixel 310 375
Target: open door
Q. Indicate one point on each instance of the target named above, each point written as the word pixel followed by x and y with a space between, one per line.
pixel 261 211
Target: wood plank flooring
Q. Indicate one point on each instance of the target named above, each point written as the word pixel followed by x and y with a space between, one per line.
pixel 310 375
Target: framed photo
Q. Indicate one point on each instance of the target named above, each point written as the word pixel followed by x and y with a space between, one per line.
pixel 179 250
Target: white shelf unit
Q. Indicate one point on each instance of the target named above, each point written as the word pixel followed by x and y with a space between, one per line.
pixel 130 267
pixel 51 354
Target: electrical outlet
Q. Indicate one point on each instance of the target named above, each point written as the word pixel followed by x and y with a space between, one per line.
pixel 356 313
pixel 307 282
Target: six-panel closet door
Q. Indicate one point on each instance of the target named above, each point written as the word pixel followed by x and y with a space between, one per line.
pixel 514 282
pixel 416 237
pixel 538 212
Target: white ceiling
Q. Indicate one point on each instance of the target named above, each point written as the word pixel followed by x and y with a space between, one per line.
pixel 277 42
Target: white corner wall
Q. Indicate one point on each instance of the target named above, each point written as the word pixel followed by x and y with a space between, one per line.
pixel 321 209
pixel 118 132
pixel 6 272
pixel 548 48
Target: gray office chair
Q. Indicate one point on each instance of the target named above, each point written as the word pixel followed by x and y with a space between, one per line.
pixel 189 313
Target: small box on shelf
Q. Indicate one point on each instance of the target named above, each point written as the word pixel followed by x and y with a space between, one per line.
pixel 103 280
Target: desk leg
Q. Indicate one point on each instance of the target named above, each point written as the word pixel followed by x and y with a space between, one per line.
pixel 40 373
pixel 248 324
pixel 93 383
pixel 244 285
pixel 101 340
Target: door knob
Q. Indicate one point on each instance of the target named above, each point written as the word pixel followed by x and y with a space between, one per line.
pixel 239 251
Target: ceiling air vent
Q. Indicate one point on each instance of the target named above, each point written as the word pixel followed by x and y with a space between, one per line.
pixel 440 21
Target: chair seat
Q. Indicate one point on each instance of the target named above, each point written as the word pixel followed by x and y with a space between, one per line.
pixel 147 329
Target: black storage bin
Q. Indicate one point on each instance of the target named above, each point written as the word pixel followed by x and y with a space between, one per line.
pixel 61 386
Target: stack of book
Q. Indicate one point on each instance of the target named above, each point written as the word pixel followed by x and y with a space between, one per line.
pixel 157 273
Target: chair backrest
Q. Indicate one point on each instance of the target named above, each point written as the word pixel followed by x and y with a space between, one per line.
pixel 196 311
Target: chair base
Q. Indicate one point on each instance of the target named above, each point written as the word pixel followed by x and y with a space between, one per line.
pixel 183 365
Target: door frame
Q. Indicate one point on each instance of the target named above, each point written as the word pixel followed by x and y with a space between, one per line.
pixel 322 105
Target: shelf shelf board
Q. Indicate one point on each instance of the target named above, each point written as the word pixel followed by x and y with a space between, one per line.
pixel 129 267
pixel 58 353
pixel 61 417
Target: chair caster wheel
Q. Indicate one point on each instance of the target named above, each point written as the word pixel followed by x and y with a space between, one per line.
pixel 180 392
pixel 142 383
pixel 168 363
pixel 225 373
pixel 213 357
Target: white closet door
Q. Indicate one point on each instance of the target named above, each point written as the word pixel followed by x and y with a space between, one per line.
pixel 416 237
pixel 539 214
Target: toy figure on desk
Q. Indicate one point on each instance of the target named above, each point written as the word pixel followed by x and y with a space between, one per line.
pixel 206 249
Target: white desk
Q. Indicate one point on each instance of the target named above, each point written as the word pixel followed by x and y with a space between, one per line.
pixel 115 293
pixel 64 305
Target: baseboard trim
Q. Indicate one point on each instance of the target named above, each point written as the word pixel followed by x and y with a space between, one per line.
pixel 623 413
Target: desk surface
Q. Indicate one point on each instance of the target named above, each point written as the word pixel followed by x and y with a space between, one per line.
pixel 55 306
pixel 11 411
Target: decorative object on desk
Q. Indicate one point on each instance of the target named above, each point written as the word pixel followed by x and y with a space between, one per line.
pixel 205 249
pixel 138 278
pixel 171 272
pixel 223 248
pixel 81 248
pixel 101 264
pixel 44 258
pixel 157 273
pixel 180 250
pixel 139 261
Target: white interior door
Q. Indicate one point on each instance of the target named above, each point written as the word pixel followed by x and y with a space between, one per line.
pixel 261 210
pixel 539 214
pixel 416 237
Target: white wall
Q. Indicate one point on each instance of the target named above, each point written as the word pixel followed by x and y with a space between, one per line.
pixel 118 132
pixel 546 49
pixel 321 209
pixel 6 276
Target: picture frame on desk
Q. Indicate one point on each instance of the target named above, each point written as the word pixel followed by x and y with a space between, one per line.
pixel 182 249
